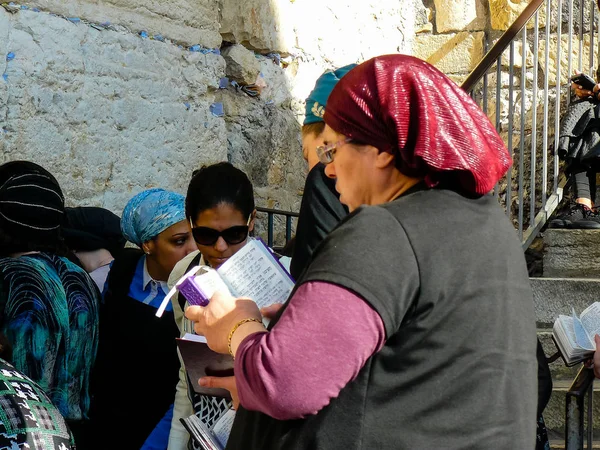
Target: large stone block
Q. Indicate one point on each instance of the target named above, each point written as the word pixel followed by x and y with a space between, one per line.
pixel 183 21
pixel 242 65
pixel 572 253
pixel 460 15
pixel 451 53
pixel 108 113
pixel 127 113
pixel 261 25
pixel 504 12
pixel 343 33
pixel 579 49
pixel 423 18
pixel 554 296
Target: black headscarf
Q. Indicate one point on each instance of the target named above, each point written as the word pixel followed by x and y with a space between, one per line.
pixel 89 228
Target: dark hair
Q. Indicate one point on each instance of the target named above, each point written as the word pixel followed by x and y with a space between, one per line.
pixel 216 184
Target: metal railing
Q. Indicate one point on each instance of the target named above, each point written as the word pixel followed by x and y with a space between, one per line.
pixel 288 217
pixel 580 393
pixel 522 83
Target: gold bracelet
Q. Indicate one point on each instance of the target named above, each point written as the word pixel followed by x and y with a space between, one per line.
pixel 235 327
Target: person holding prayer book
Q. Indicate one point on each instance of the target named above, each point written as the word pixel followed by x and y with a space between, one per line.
pixel 136 372
pixel 413 325
pixel 219 205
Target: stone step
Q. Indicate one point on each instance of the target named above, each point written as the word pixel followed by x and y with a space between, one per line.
pixel 554 296
pixel 571 253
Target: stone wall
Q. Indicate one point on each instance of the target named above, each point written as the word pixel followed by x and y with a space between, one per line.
pixel 117 96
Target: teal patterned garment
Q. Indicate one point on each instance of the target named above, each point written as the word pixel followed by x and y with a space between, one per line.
pixel 49 313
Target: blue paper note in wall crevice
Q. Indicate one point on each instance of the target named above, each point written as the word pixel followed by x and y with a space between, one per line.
pixel 217 109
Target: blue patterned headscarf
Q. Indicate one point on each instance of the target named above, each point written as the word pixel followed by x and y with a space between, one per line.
pixel 315 103
pixel 151 212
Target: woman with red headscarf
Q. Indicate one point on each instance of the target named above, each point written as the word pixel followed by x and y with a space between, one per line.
pixel 413 325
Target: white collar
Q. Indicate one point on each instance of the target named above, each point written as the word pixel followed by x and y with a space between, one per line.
pixel 147 279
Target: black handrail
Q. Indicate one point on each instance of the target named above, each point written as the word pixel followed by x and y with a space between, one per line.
pixel 502 44
pixel 581 388
pixel 270 223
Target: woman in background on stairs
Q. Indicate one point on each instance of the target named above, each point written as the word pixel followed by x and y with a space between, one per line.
pixel 579 147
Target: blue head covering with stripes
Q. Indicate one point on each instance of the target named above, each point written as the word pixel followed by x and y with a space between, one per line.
pixel 315 103
pixel 150 213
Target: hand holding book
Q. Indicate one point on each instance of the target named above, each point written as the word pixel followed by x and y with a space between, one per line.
pixel 227 383
pixel 220 316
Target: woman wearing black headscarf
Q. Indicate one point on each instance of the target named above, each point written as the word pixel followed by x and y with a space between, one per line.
pixel 413 326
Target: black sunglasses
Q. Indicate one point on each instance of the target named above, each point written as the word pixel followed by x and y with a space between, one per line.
pixel 210 236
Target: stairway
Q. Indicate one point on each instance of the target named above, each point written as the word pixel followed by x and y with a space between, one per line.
pixel 571 278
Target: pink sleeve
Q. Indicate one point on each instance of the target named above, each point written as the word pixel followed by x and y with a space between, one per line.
pixel 282 373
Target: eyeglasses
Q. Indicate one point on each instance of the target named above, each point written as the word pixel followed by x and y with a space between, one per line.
pixel 326 152
pixel 210 236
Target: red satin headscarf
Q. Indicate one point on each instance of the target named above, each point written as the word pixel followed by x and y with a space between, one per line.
pixel 405 106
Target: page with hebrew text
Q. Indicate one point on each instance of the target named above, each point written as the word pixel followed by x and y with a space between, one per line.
pixel 254 272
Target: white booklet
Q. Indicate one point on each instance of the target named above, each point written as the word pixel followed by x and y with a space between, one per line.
pixel 252 272
pixel 574 336
pixel 210 437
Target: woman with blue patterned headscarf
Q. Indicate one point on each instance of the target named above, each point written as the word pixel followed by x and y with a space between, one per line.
pixel 137 358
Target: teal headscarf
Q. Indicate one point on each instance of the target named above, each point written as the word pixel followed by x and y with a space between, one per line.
pixel 151 212
pixel 315 103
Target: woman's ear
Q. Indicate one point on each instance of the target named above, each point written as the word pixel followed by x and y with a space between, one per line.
pixel 148 247
pixel 251 223
pixel 384 159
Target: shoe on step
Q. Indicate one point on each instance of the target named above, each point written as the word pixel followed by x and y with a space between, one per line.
pixel 590 221
pixel 575 213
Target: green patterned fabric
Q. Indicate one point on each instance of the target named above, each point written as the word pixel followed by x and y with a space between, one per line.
pixel 28 419
pixel 49 314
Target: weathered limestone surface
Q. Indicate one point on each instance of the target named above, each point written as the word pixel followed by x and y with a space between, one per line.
pixel 242 65
pixel 554 296
pixel 459 15
pixel 180 20
pixel 109 113
pixel 451 53
pixel 504 12
pixel 572 253
pixel 258 24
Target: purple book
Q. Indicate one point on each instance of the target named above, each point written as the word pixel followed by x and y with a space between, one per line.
pixel 252 272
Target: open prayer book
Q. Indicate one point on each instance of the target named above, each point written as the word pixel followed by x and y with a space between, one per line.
pixel 210 435
pixel 252 272
pixel 574 336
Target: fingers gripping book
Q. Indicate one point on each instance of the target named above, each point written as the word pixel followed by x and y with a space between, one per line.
pixel 252 272
pixel 574 335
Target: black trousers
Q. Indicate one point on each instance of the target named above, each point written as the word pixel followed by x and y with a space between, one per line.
pixel 584 180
